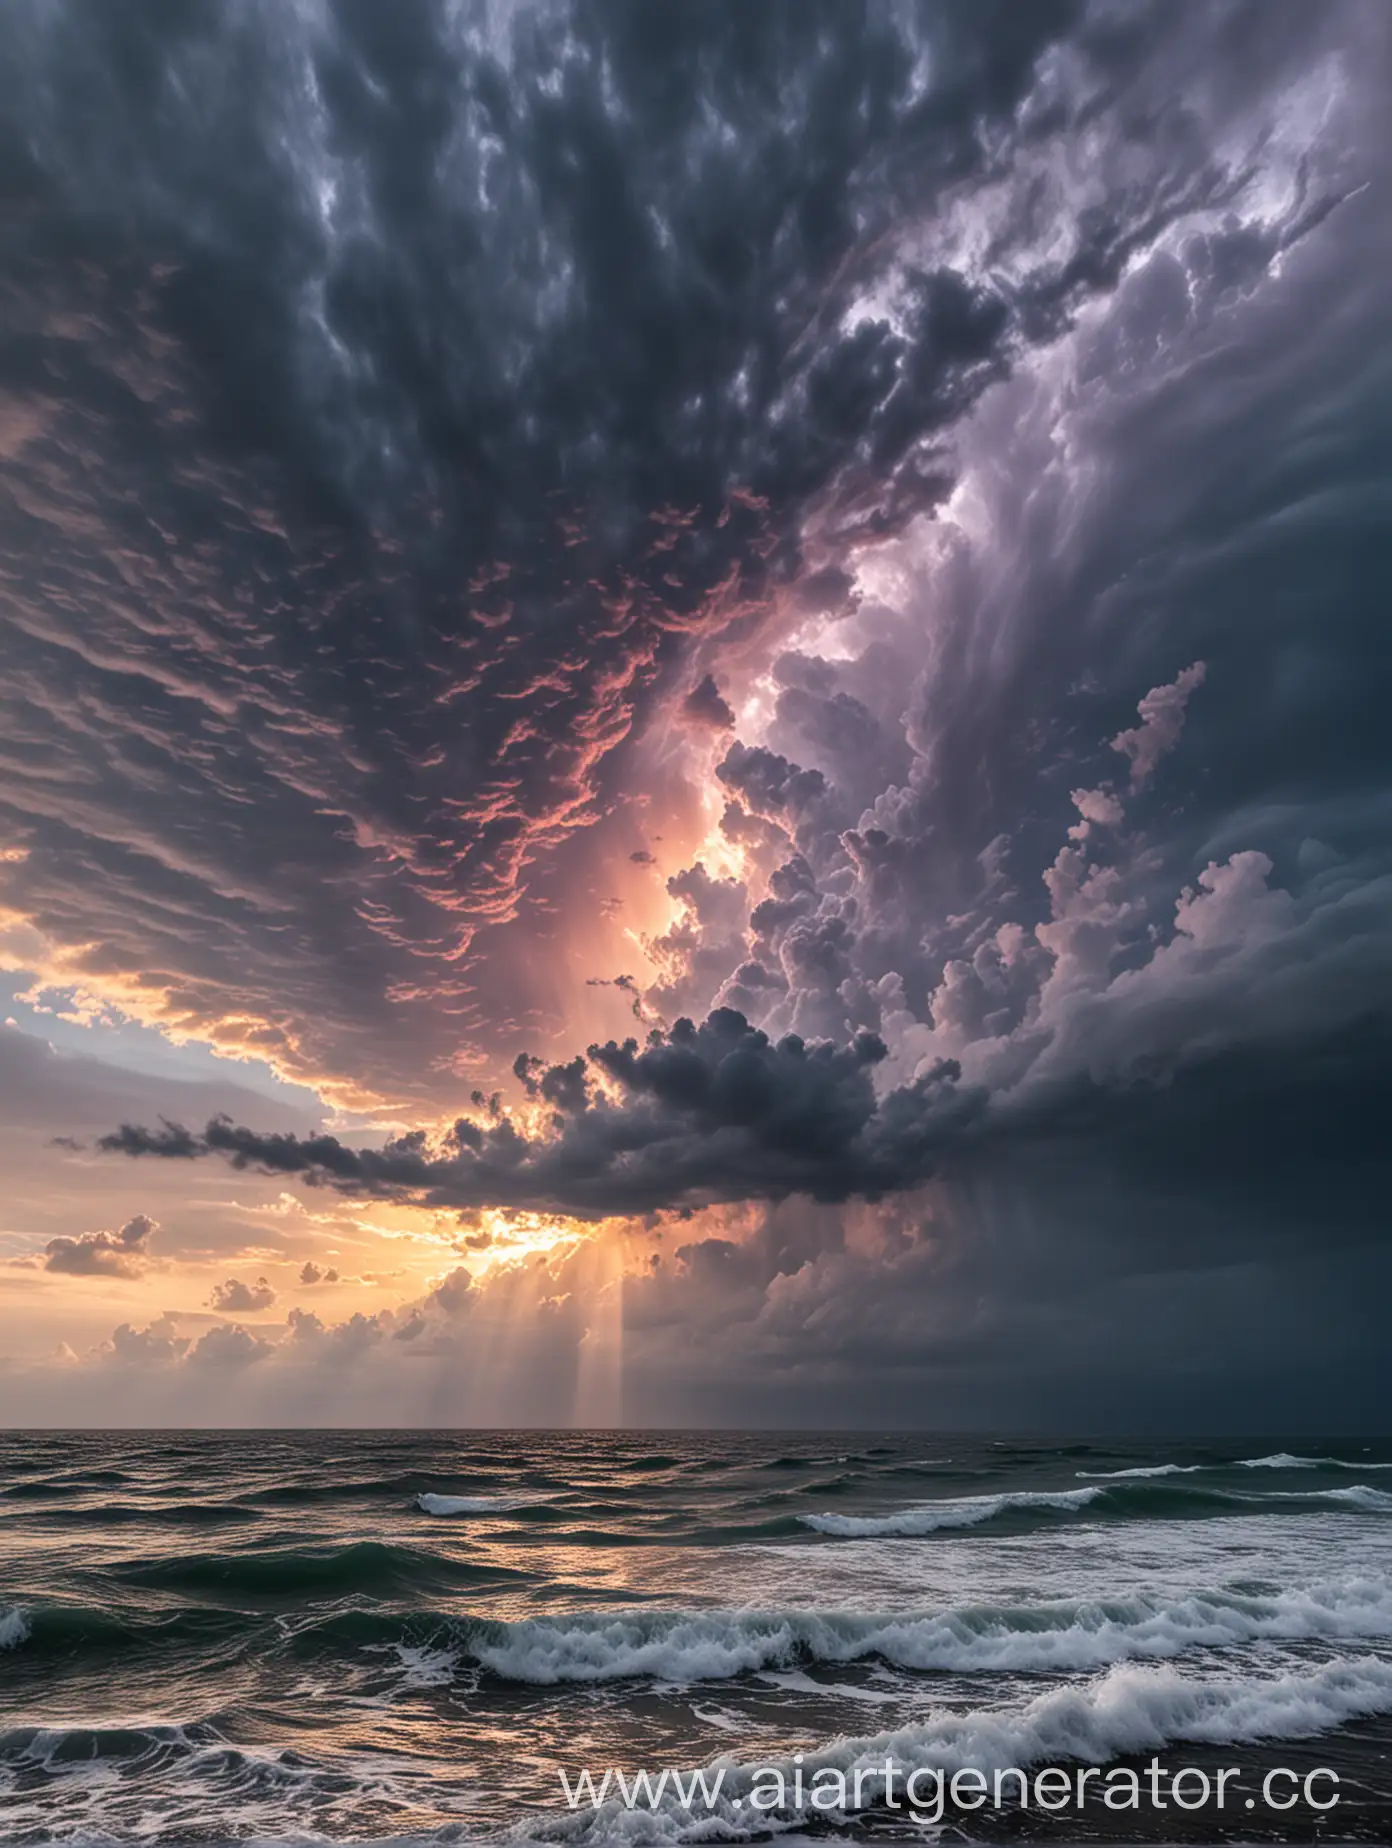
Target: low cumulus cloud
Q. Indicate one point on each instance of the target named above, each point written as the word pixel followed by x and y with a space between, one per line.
pixel 230 1346
pixel 237 1298
pixel 157 1344
pixel 122 1253
pixel 812 1313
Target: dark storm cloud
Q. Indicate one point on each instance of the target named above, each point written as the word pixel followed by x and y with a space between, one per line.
pixel 1172 964
pixel 715 1112
pixel 768 784
pixel 387 398
pixel 705 705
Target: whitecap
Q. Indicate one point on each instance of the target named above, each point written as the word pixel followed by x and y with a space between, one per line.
pixel 1059 1635
pixel 14 1628
pixel 1356 1495
pixel 931 1517
pixel 1153 1469
pixel 1283 1459
pixel 476 1504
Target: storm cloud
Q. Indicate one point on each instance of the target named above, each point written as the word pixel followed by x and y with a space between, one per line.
pixel 460 378
pixel 709 1113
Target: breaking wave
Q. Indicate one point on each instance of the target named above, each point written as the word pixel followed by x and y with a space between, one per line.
pixel 1131 1500
pixel 1151 1469
pixel 14 1628
pixel 1284 1460
pixel 1130 1710
pixel 476 1504
pixel 687 1646
pixel 367 1566
pixel 962 1511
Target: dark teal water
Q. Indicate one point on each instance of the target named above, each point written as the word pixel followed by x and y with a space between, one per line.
pixel 308 1636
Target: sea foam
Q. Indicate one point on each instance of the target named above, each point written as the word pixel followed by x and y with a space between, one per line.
pixel 1131 1709
pixel 1057 1635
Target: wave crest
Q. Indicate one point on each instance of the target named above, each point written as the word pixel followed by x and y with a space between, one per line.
pixel 963 1511
pixel 1051 1637
pixel 14 1627
pixel 1131 1500
pixel 476 1504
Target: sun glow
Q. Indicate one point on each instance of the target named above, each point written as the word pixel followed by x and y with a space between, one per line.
pixel 494 1236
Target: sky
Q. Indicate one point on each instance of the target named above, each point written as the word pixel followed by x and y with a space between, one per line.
pixel 694 713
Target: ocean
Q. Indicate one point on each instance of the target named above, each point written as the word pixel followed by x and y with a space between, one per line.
pixel 327 1636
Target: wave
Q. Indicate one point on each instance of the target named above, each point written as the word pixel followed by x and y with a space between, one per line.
pixel 1050 1637
pixel 1153 1469
pixel 963 1511
pixel 477 1504
pixel 1356 1495
pixel 1132 1709
pixel 155 1514
pixel 144 1779
pixel 1041 1453
pixel 682 1647
pixel 54 1747
pixel 295 1494
pixel 370 1566
pixel 34 1491
pixel 39 1627
pixel 1284 1460
pixel 1053 1636
pixel 815 1462
pixel 1134 1500
pixel 746 1533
